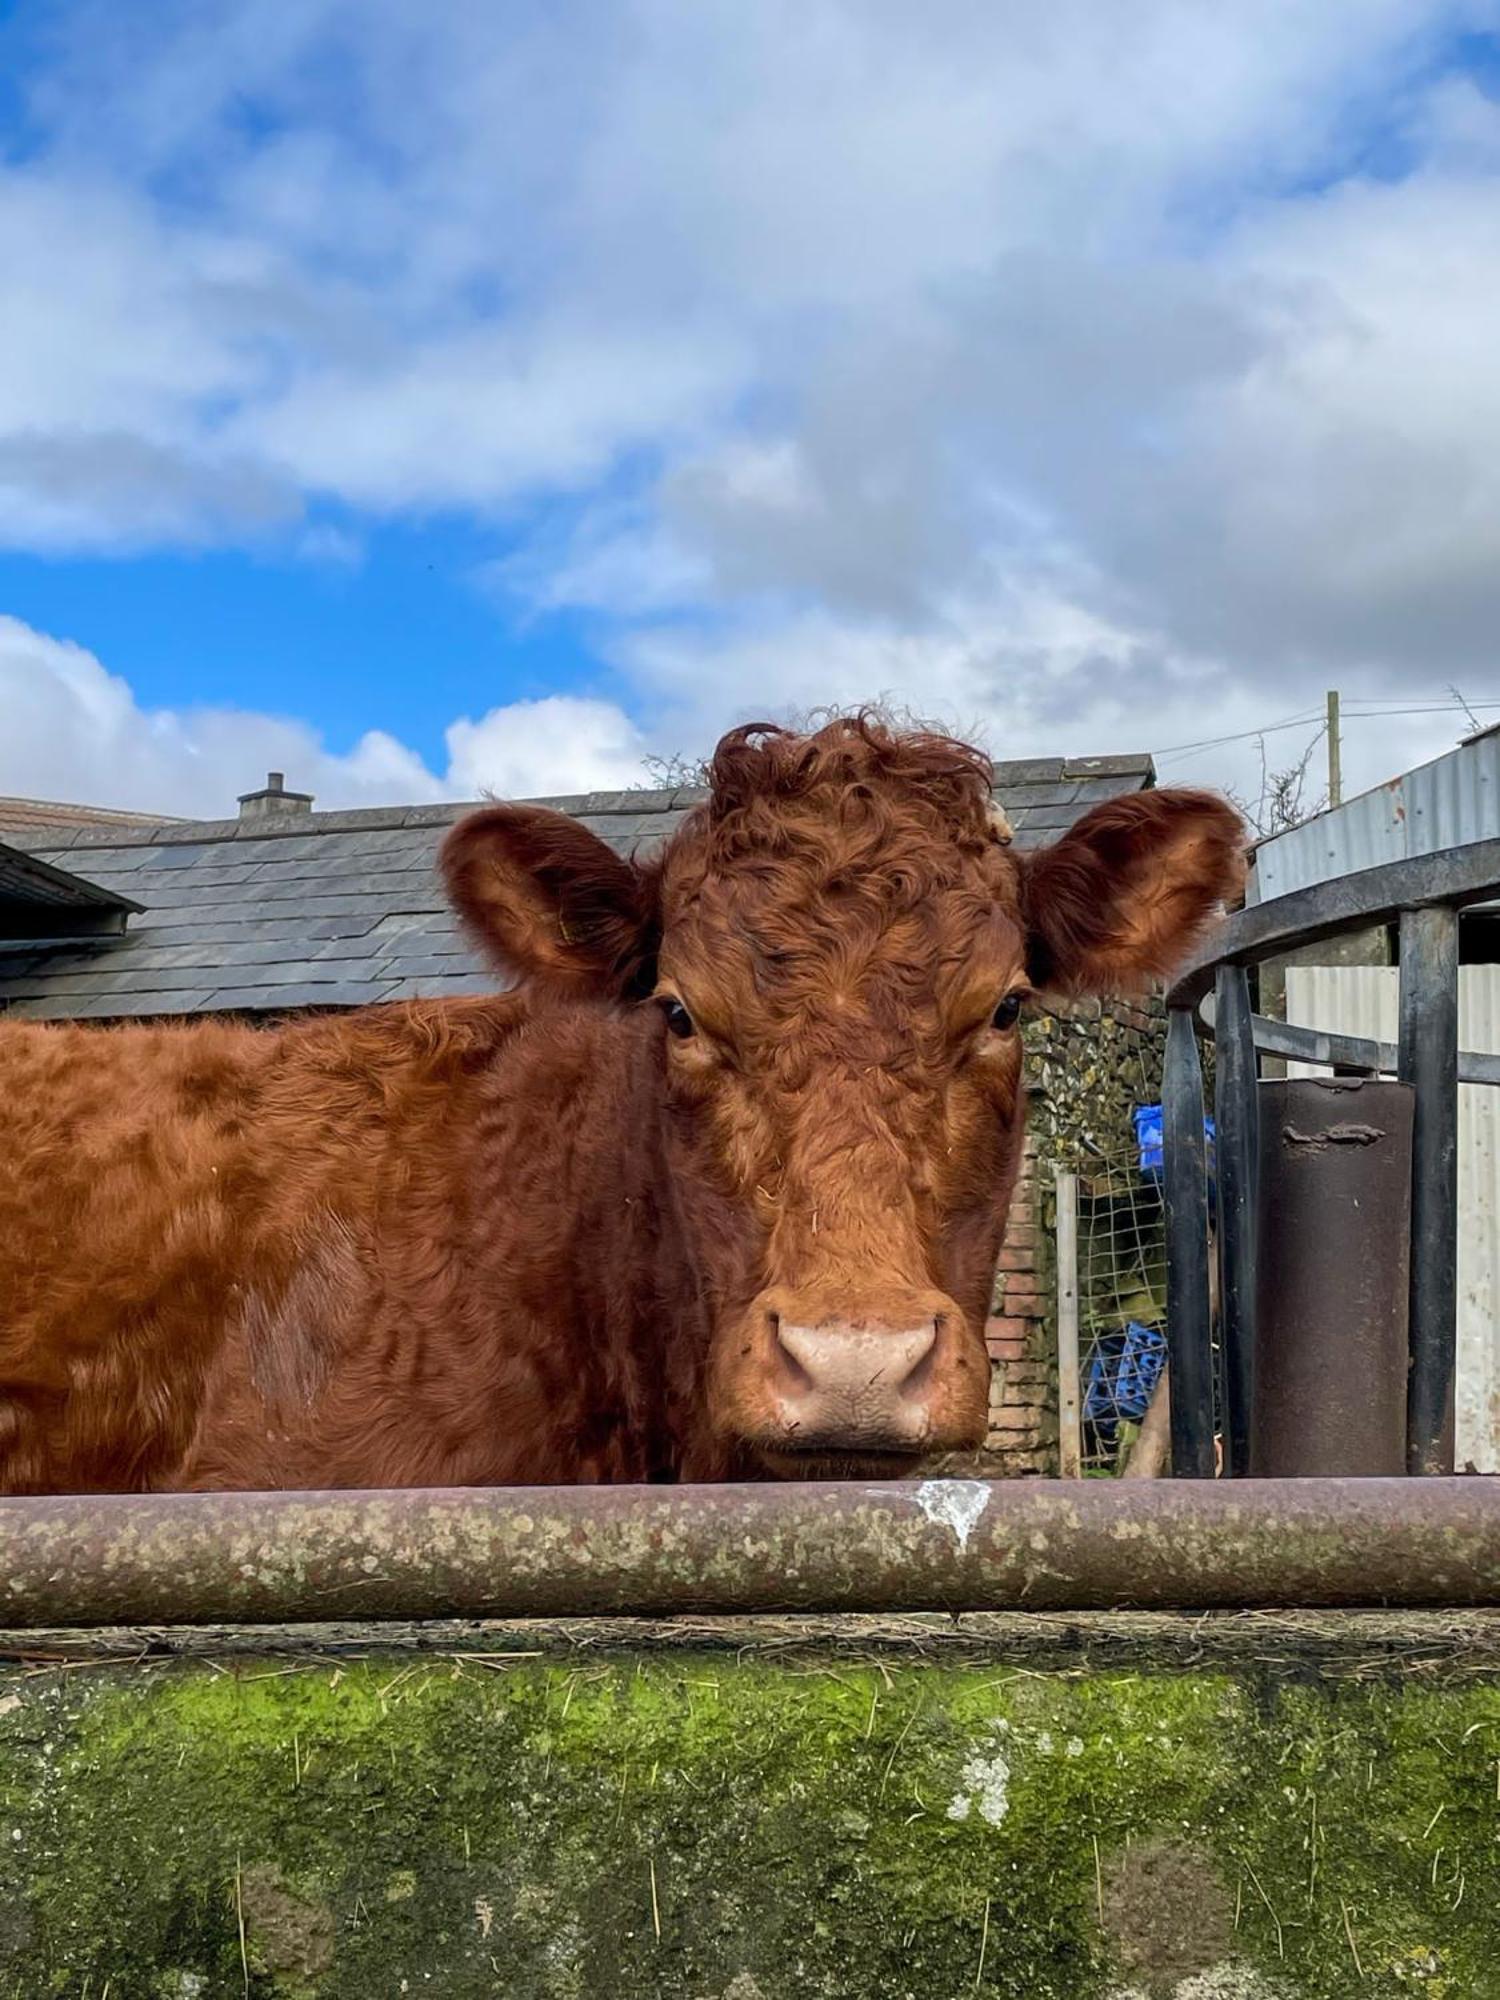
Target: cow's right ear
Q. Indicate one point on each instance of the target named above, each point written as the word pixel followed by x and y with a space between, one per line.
pixel 550 902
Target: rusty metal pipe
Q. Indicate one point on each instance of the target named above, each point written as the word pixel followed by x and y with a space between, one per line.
pixel 956 1545
pixel 1335 1203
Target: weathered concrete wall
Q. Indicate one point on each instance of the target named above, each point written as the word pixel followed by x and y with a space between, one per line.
pixel 1253 1808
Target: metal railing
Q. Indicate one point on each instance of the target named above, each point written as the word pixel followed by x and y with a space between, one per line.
pixel 1423 896
pixel 152 1559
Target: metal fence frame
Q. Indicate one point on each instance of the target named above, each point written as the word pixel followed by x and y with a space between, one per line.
pixel 152 1559
pixel 1423 896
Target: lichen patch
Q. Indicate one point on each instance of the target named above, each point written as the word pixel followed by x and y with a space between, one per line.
pixel 984 1786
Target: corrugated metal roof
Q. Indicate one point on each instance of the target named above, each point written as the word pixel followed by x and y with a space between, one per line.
pixel 1447 803
pixel 337 909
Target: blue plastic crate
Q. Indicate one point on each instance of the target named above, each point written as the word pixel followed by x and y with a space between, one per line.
pixel 1125 1370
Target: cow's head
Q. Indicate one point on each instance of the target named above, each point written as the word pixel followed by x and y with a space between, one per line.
pixel 831 959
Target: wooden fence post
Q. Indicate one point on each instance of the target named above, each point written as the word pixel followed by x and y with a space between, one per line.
pixel 1070 1440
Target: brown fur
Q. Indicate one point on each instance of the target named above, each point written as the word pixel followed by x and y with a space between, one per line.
pixel 538 1237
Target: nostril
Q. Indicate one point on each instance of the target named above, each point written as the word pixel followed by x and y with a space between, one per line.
pixel 792 1366
pixel 918 1378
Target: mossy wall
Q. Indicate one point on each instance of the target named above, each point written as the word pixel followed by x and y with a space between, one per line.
pixel 1047 1810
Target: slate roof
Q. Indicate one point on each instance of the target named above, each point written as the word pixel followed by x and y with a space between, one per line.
pixel 337 909
pixel 40 900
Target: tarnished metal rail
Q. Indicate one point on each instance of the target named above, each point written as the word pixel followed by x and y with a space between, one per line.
pixel 1424 895
pixel 947 1545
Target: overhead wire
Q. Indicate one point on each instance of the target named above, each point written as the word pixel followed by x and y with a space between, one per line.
pixel 1360 709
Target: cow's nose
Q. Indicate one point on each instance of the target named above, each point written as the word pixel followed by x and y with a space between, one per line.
pixel 843 1384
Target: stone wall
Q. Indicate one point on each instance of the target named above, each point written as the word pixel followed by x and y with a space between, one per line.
pixel 1026 1808
pixel 1088 1065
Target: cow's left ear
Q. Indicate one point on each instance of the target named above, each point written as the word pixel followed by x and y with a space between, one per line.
pixel 549 901
pixel 1121 899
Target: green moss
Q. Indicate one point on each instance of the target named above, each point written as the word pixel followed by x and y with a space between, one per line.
pixel 718 1829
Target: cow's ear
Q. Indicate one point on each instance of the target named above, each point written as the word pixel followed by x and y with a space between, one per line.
pixel 550 902
pixel 1119 902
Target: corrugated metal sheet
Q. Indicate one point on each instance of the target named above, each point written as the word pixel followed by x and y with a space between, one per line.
pixel 1447 803
pixel 1364 1000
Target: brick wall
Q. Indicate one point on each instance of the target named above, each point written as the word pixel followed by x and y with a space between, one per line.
pixel 1023 1396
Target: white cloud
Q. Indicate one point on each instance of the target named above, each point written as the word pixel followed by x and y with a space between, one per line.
pixel 561 743
pixel 1098 375
pixel 75 731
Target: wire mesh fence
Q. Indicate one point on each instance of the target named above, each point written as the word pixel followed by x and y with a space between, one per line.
pixel 1097 1081
pixel 1122 1309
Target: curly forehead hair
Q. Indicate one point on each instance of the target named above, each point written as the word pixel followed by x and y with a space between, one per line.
pixel 760 769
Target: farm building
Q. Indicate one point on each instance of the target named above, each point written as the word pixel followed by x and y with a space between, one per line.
pixel 106 916
pixel 1350 986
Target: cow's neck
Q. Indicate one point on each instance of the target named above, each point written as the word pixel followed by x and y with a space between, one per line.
pixel 574 1133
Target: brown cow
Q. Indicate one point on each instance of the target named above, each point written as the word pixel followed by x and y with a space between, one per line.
pixel 716 1193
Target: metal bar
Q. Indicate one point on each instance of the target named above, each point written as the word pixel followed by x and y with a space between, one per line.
pixel 1189 1333
pixel 953 1545
pixel 1319 1045
pixel 1370 896
pixel 1428 1051
pixel 1069 1429
pixel 1330 1367
pixel 1236 1150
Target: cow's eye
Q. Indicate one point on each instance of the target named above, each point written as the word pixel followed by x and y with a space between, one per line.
pixel 1008 1012
pixel 679 1020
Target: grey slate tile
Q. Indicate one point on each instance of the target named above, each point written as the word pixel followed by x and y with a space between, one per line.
pixel 402 945
pixel 363 948
pixel 113 1006
pixel 439 816
pixel 424 923
pixel 303 971
pixel 1028 771
pixel 1094 791
pixel 1027 797
pixel 107 861
pixel 355 818
pixel 1128 765
pixel 450 987
pixel 397 885
pixel 238 925
pixel 431 968
pixel 321 993
pixel 195 830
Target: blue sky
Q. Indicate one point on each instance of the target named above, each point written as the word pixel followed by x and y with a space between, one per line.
pixel 494 395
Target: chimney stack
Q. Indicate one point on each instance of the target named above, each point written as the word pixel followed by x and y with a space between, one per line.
pixel 273 803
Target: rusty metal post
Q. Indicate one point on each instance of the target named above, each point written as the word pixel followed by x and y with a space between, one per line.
pixel 1236 1149
pixel 1189 1325
pixel 1428 1057
pixel 1331 1358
